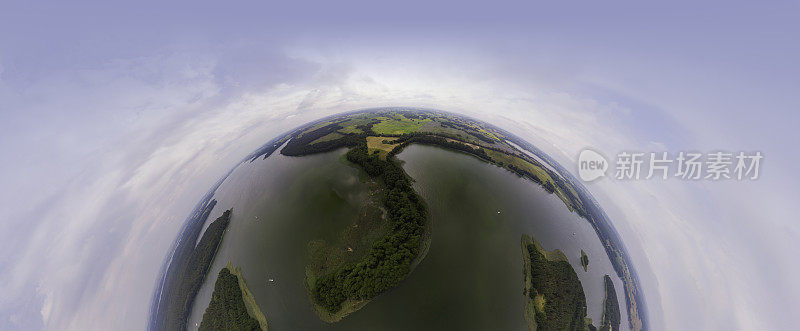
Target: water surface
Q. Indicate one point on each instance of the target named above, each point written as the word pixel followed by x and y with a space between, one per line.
pixel 471 278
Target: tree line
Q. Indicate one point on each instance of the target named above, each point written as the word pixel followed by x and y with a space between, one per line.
pixel 389 260
pixel 189 272
pixel 195 271
pixel 227 310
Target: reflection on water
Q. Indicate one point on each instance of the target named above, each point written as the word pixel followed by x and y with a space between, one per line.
pixel 471 277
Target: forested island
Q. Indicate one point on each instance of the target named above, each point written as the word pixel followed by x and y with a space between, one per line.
pixel 345 288
pixel 584 261
pixel 611 317
pixel 232 305
pixel 555 298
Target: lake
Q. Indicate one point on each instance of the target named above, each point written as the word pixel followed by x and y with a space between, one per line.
pixel 472 277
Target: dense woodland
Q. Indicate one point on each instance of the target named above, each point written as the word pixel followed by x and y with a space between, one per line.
pixel 302 144
pixel 611 318
pixel 389 260
pixel 557 282
pixel 227 310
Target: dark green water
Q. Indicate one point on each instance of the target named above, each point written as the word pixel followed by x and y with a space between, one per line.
pixel 471 278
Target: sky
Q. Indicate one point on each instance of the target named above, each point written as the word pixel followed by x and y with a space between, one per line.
pixel 115 119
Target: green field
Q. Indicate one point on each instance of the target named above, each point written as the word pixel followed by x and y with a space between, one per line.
pixel 328 137
pixel 350 129
pixel 398 125
pixel 520 163
pixel 351 125
pixel 376 144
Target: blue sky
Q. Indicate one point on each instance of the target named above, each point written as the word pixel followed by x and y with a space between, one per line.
pixel 115 118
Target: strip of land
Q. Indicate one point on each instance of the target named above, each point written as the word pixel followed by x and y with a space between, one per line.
pixel 347 287
pixel 611 317
pixel 188 270
pixel 584 261
pixel 232 306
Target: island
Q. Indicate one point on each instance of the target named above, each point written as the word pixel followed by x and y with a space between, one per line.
pixel 584 261
pixel 611 317
pixel 232 305
pixel 555 298
pixel 342 288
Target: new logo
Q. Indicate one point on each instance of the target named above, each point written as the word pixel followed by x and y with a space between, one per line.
pixel 591 165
